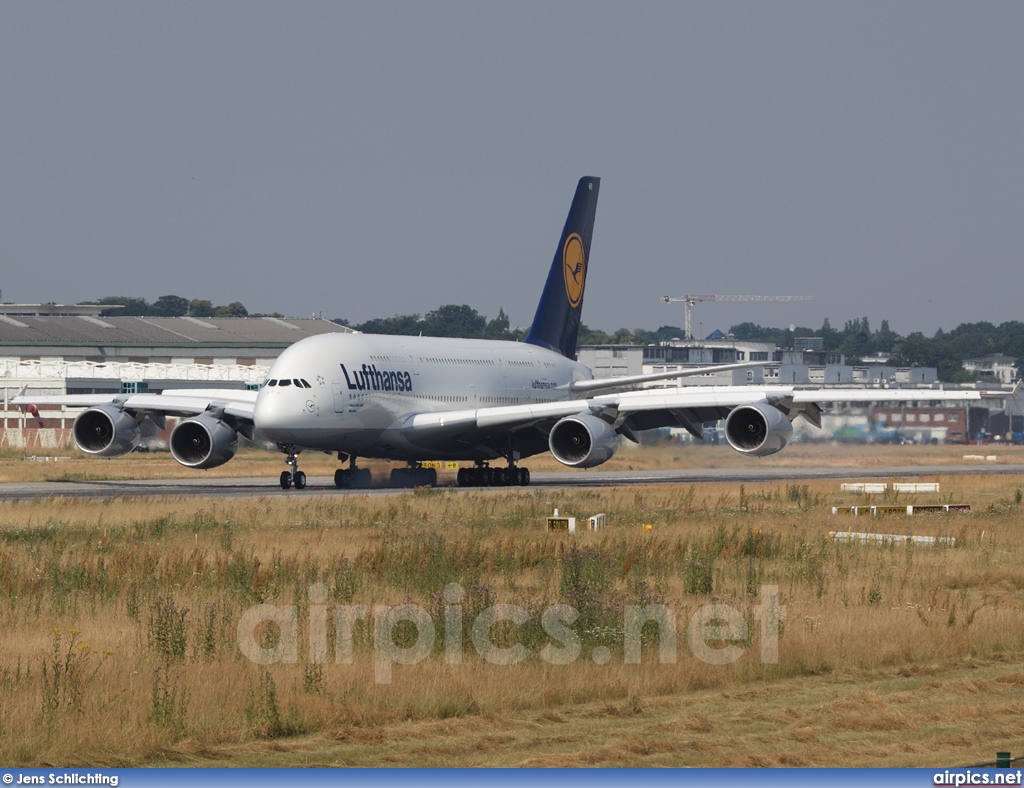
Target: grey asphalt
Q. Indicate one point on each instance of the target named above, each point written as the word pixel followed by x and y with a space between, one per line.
pixel 250 487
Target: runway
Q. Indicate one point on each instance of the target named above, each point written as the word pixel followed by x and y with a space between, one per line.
pixel 268 488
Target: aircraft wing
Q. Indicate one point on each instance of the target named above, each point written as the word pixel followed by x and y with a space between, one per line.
pixel 179 402
pixel 690 407
pixel 687 407
pixel 596 384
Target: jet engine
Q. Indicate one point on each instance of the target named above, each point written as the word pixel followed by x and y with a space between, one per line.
pixel 583 441
pixel 203 441
pixel 758 429
pixel 106 431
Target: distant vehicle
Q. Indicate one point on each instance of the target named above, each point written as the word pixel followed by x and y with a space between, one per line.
pixel 414 399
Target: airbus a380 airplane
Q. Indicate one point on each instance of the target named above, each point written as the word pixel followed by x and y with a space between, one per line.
pixel 413 399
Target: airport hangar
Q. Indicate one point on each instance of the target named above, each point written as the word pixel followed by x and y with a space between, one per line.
pixel 57 349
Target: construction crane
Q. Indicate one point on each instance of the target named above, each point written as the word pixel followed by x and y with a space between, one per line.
pixel 690 300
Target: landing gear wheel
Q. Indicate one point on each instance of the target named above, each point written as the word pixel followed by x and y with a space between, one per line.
pixel 485 476
pixel 299 480
pixel 351 478
pixel 286 480
pixel 414 476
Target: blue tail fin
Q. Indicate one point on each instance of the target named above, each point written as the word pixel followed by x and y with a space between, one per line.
pixel 557 322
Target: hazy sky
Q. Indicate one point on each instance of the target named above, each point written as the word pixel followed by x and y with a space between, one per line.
pixel 378 158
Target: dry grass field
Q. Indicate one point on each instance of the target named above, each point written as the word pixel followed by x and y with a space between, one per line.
pixel 119 621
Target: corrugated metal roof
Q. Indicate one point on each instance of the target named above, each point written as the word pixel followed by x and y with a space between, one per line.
pixel 151 331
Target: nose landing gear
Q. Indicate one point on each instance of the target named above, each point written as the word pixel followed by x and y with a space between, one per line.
pixel 295 476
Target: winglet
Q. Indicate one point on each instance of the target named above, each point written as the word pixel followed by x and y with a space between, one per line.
pixel 557 322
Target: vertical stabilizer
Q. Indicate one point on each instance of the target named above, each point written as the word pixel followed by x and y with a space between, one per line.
pixel 557 322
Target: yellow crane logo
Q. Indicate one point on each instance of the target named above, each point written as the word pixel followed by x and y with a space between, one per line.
pixel 574 268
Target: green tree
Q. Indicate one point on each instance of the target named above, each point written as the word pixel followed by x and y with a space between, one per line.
pixel 1010 337
pixel 856 346
pixel 499 327
pixel 406 325
pixel 133 307
pixel 885 339
pixel 454 321
pixel 829 336
pixel 972 343
pixel 592 336
pixel 916 350
pixel 200 308
pixel 171 306
pixel 752 332
pixel 665 334
pixel 234 309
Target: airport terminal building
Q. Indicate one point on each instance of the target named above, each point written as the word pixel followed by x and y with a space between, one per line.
pixel 788 367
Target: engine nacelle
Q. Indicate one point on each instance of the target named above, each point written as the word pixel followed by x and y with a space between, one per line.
pixel 583 441
pixel 106 431
pixel 203 441
pixel 758 429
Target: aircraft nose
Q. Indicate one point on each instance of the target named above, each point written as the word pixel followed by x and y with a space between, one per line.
pixel 269 417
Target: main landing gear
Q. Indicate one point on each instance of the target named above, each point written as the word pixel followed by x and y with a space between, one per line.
pixel 295 476
pixel 484 476
pixel 351 478
pixel 414 476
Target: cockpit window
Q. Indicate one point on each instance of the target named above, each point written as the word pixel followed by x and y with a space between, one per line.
pixel 297 382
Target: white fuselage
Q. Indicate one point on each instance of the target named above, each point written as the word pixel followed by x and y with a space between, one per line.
pixel 353 393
